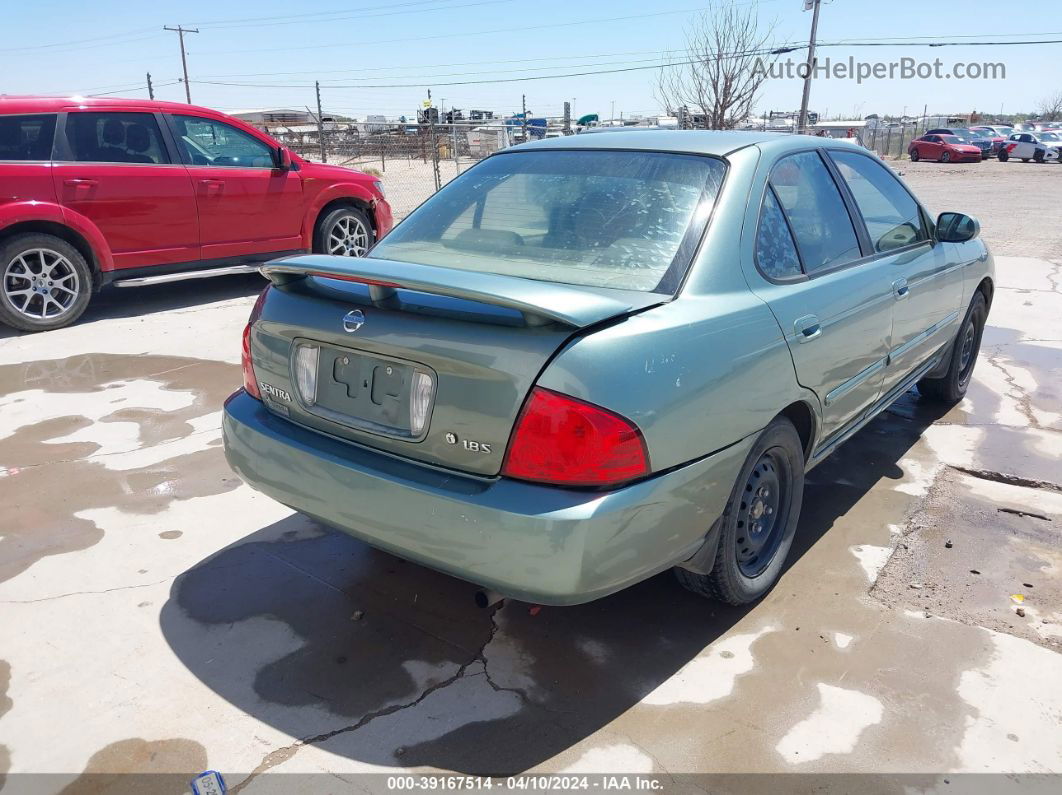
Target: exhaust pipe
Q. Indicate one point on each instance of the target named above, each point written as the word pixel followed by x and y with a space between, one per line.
pixel 485 598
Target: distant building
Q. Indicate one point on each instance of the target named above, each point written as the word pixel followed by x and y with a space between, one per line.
pixel 267 117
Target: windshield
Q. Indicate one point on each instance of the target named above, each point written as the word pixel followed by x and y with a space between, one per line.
pixel 598 218
pixel 1050 136
pixel 951 139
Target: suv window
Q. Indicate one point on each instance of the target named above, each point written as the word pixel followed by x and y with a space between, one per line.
pixel 115 138
pixel 776 253
pixel 817 214
pixel 206 142
pixel 892 216
pixel 27 137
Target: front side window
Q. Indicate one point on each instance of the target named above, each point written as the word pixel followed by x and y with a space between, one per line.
pixel 817 214
pixel 115 138
pixel 776 253
pixel 206 142
pixel 892 216
pixel 627 220
pixel 27 137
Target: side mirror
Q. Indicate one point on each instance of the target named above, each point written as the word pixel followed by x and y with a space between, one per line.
pixel 957 228
pixel 284 159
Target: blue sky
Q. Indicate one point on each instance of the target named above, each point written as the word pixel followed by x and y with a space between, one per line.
pixel 107 45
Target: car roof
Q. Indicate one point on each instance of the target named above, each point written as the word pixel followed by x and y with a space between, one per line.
pixel 703 142
pixel 10 103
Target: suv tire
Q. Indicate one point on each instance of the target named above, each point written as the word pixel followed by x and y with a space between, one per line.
pixel 45 283
pixel 345 232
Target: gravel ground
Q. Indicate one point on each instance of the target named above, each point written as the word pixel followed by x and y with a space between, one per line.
pixel 1016 203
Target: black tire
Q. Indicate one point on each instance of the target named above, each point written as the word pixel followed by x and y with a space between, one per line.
pixel 324 241
pixel 914 155
pixel 1039 156
pixel 1003 155
pixel 1025 160
pixel 736 577
pixel 952 386
pixel 27 264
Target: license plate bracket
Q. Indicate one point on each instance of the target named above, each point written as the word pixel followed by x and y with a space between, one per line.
pixel 364 390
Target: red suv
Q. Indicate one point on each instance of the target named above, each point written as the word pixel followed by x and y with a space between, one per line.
pixel 94 191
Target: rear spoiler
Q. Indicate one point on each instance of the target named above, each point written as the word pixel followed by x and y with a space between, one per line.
pixel 539 302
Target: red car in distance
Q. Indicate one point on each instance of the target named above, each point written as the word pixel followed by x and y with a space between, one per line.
pixel 943 148
pixel 96 191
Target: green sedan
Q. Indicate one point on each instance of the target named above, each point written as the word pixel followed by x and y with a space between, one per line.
pixel 587 360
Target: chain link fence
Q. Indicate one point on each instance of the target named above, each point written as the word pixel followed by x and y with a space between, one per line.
pixel 412 160
pixel 891 142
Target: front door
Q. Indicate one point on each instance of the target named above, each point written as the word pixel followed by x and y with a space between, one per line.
pixel 113 168
pixel 246 204
pixel 834 309
pixel 925 276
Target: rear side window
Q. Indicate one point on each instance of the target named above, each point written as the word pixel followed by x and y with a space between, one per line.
pixel 598 218
pixel 115 138
pixel 776 253
pixel 817 214
pixel 206 142
pixel 27 137
pixel 892 216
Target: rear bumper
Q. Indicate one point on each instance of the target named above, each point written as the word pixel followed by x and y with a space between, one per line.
pixel 535 543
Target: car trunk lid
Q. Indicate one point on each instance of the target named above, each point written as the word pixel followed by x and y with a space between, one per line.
pixel 375 329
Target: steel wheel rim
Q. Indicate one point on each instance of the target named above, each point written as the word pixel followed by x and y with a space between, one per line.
pixel 41 284
pixel 966 357
pixel 763 512
pixel 348 237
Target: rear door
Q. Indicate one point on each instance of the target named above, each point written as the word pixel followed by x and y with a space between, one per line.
pixel 114 168
pixel 834 307
pixel 246 204
pixel 25 155
pixel 925 277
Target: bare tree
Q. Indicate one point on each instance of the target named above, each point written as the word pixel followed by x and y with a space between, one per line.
pixel 1051 107
pixel 720 74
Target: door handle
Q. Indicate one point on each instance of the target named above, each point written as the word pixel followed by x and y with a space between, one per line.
pixel 807 328
pixel 212 187
pixel 80 187
pixel 900 288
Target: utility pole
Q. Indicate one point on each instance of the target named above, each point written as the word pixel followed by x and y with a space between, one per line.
pixel 802 120
pixel 151 89
pixel 320 123
pixel 567 118
pixel 523 105
pixel 180 31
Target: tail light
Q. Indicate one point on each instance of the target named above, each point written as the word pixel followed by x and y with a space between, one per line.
pixel 250 383
pixel 568 442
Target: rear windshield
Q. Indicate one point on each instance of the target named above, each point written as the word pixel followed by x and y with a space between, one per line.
pixel 626 220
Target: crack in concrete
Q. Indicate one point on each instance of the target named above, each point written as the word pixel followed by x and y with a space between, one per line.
pixel 1011 480
pixel 1022 399
pixel 287 752
pixel 84 593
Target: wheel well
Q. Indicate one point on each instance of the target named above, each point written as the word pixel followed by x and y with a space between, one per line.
pixel 803 419
pixel 60 231
pixel 347 201
pixel 986 289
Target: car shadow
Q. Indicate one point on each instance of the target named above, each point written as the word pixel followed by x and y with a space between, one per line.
pixel 319 635
pixel 123 302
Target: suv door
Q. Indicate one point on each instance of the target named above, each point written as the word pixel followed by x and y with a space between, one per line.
pixel 926 277
pixel 247 205
pixel 114 168
pixel 834 310
pixel 25 145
